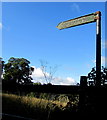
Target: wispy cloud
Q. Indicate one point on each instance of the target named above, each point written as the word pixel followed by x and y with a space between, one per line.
pixel 0 25
pixel 4 27
pixel 38 76
pixel 64 81
pixel 75 7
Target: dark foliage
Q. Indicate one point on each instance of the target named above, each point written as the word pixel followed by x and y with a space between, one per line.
pixel 92 75
pixel 17 70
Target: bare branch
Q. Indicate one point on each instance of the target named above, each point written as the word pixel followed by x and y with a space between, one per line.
pixel 48 72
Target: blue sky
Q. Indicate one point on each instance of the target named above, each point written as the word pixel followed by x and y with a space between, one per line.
pixel 29 31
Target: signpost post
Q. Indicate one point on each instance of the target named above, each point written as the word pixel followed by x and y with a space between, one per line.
pixel 98 49
pixel 94 17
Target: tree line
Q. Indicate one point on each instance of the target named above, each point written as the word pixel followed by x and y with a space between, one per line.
pixel 19 71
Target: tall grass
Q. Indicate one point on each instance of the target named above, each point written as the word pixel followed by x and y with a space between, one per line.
pixel 32 107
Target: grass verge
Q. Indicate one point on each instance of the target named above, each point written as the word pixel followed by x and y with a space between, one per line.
pixel 31 107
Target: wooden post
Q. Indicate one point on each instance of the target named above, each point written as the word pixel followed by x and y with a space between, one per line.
pixel 98 49
pixel 82 95
pixel 83 81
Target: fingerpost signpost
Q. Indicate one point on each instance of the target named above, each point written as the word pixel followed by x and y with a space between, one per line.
pixel 94 17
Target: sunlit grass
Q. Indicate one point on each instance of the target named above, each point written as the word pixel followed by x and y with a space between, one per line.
pixel 30 106
pixel 33 101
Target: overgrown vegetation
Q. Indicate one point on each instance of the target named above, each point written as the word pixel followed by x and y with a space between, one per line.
pixel 36 108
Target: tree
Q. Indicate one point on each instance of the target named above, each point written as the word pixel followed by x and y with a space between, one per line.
pixel 48 71
pixel 1 70
pixel 17 70
pixel 1 64
pixel 92 75
pixel 0 67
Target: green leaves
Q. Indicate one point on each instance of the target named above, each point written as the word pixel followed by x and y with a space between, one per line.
pixel 18 70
